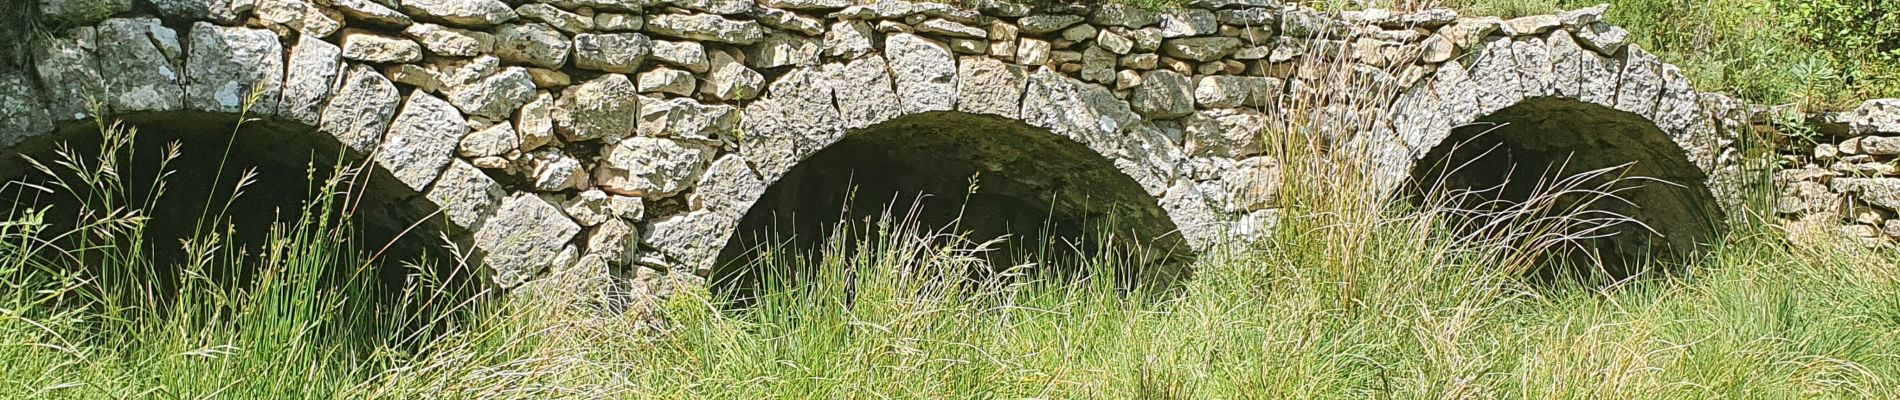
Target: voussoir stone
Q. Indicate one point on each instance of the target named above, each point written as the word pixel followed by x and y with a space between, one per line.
pixel 649 167
pixel 70 72
pixel 864 92
pixel 524 236
pixel 600 108
pixel 471 13
pixel 361 110
pixel 611 52
pixel 21 116
pixel 989 86
pixel 925 73
pixel 465 194
pixel 705 27
pixel 228 66
pixel 142 63
pixel 421 140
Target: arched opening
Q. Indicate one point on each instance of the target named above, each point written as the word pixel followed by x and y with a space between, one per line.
pixel 179 174
pixel 1052 202
pixel 1624 198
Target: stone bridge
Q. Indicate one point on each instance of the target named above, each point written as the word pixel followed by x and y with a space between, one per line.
pixel 643 138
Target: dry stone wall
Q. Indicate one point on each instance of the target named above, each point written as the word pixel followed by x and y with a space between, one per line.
pixel 1850 179
pixel 629 136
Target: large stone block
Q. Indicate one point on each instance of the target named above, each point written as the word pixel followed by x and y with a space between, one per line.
pixel 421 140
pixel 229 67
pixel 524 236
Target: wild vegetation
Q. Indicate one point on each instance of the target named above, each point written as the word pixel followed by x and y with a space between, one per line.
pixel 1347 297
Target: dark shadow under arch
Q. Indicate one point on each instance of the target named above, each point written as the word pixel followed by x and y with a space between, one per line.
pixel 1505 158
pixel 1050 195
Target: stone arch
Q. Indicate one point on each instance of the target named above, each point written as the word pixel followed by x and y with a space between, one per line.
pixel 811 109
pixel 1526 105
pixel 311 105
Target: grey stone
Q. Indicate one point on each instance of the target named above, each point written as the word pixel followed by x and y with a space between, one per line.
pixel 667 80
pixel 559 19
pixel 1878 116
pixel 141 62
pixel 786 20
pixel 1077 34
pixel 471 13
pixel 1581 17
pixel 1604 38
pixel 1430 18
pixel 1880 145
pixel 799 116
pixel 652 168
pixel 1533 25
pixel 373 48
pixel 1880 192
pixel 925 73
pixel 465 194
pixel 988 86
pixel 1202 49
pixel 451 42
pixel 1164 95
pixel 228 66
pixel 535 121
pixel 848 39
pixel 1249 17
pixel 283 16
pixel 611 52
pixel 1114 43
pixel 551 170
pixel 1098 65
pixel 1123 15
pixel 1041 24
pixel 613 22
pixel 691 239
pixel 21 116
pixel 600 108
pixel 421 140
pixel 81 12
pixel 1032 52
pixel 806 4
pixel 688 55
pixel 494 140
pixel 686 119
pixel 1230 132
pixel 729 186
pixel 1226 91
pixel 614 240
pixel 592 207
pixel 369 11
pixel 951 29
pixel 783 49
pixel 1188 22
pixel 532 44
pixel 1227 4
pixel 864 92
pixel 705 27
pixel 67 67
pixel 729 80
pixel 361 110
pixel 219 11
pixel 496 96
pixel 524 236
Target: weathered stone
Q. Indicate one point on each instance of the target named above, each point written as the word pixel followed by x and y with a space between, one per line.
pixel 496 96
pixel 1224 91
pixel 452 42
pixel 864 92
pixel 848 39
pixel 1077 34
pixel 81 12
pixel 551 170
pixel 369 47
pixel 1581 17
pixel 1114 43
pixel 494 140
pixel 686 119
pixel 547 78
pixel 369 11
pixel 1032 52
pixel 1041 24
pixel 799 116
pixel 692 239
pixel 729 186
pixel 67 67
pixel 1098 65
pixel 1164 95
pixel 611 52
pixel 1123 15
pixel 1604 38
pixel 1250 17
pixel 524 236
pixel 535 121
pixel 781 49
pixel 807 4
pixel 987 86
pixel 458 72
pixel 532 44
pixel 1880 192
pixel 361 110
pixel 613 22
pixel 969 46
pixel 421 140
pixel 593 207
pixel 1878 116
pixel 21 116
pixel 1229 132
pixel 688 55
pixel 667 80
pixel 600 108
pixel 786 20
pixel 1127 79
pixel 1880 145
pixel 1140 61
pixel 466 195
pixel 925 73
pixel 1202 49
pixel 471 13
pixel 219 11
pixel 652 168
pixel 729 80
pixel 1533 25
pixel 141 62
pixel 421 78
pixel 705 27
pixel 1251 184
pixel 559 19
pixel 1188 22
pixel 614 240
pixel 951 29
pixel 284 16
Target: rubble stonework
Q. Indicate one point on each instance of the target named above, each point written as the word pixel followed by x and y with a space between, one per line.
pixel 1173 99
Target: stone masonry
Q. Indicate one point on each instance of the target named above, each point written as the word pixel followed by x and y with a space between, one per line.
pixel 559 133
